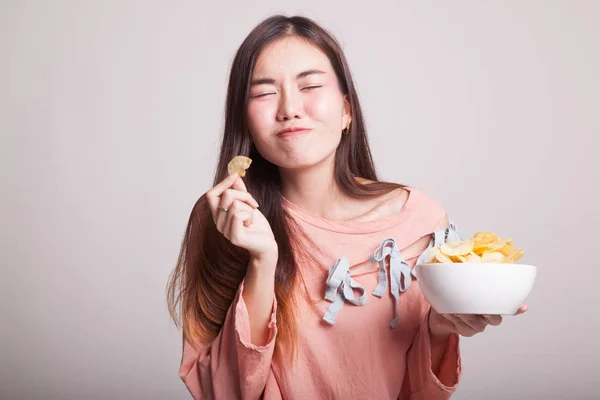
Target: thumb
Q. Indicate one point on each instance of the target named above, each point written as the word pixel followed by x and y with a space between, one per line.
pixel 239 185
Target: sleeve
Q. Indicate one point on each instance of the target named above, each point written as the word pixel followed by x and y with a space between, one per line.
pixel 421 381
pixel 230 367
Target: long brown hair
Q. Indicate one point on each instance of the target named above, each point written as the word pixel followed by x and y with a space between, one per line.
pixel 210 269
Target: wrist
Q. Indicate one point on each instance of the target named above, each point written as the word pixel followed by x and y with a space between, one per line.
pixel 260 274
pixel 437 331
pixel 262 264
pixel 265 259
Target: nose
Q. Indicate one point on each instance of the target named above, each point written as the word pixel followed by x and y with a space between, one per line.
pixel 290 106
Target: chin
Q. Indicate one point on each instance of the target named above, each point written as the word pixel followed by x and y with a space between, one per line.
pixel 306 158
pixel 295 164
pixel 301 163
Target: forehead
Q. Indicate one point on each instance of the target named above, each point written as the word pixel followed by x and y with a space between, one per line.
pixel 290 56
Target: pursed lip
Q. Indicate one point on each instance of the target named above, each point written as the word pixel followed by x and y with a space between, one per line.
pixel 292 131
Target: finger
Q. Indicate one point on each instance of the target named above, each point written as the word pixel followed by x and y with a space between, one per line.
pixel 224 217
pixel 230 195
pixel 235 208
pixel 225 184
pixel 239 185
pixel 250 220
pixel 457 325
pixel 462 327
pixel 494 320
pixel 522 309
pixel 213 195
pixel 476 322
pixel 237 229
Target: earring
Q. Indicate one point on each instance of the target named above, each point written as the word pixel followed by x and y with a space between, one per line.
pixel 347 129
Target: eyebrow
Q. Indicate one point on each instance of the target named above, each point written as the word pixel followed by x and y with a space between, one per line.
pixel 270 81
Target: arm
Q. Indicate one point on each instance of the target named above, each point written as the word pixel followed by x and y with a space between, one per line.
pixel 433 360
pixel 433 364
pixel 237 363
pixel 258 294
pixel 439 342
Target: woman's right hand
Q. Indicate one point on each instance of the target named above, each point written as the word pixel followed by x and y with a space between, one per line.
pixel 236 215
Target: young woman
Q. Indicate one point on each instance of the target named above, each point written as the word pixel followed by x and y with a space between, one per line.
pixel 295 282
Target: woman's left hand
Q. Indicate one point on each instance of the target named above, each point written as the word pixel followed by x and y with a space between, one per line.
pixel 441 325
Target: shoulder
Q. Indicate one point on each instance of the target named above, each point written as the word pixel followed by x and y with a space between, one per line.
pixel 421 216
pixel 414 203
pixel 426 208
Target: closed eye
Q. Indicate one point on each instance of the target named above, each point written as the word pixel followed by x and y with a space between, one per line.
pixel 257 96
pixel 261 95
pixel 311 87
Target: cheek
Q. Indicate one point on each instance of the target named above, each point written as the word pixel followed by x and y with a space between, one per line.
pixel 261 115
pixel 325 108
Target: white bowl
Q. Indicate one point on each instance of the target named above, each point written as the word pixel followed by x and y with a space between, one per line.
pixel 467 288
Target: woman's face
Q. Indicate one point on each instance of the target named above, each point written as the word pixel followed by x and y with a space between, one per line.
pixel 293 86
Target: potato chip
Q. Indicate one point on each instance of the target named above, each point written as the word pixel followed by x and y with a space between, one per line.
pixel 433 252
pixel 515 256
pixel 500 243
pixel 441 258
pixel 484 247
pixel 239 164
pixel 435 256
pixel 457 247
pixel 459 259
pixel 473 258
pixel 492 257
pixel 482 238
pixel 481 241
pixel 507 250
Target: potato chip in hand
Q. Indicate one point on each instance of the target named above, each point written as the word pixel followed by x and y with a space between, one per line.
pixel 239 164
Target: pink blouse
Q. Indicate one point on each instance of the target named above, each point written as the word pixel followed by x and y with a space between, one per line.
pixel 367 337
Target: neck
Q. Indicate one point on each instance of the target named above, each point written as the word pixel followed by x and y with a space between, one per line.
pixel 313 189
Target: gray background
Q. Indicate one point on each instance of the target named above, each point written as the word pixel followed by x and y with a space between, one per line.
pixel 110 113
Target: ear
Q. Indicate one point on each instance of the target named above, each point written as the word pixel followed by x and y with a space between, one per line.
pixel 347 116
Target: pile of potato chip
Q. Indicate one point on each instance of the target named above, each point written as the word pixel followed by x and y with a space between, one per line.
pixel 484 247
